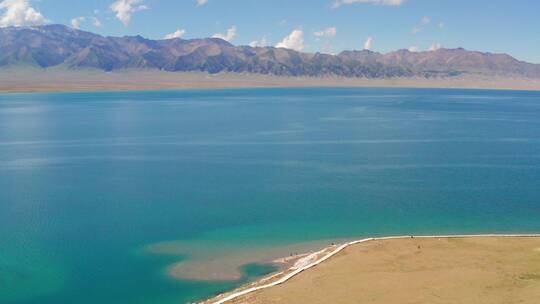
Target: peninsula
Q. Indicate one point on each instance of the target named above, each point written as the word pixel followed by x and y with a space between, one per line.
pixel 445 269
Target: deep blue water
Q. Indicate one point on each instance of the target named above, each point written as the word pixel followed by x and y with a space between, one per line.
pixel 88 179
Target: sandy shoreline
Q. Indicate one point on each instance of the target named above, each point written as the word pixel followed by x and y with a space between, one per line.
pixel 25 80
pixel 309 261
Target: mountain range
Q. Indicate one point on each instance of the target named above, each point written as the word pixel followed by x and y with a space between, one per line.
pixel 57 45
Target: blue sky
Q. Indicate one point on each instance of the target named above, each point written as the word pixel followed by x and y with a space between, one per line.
pixel 489 25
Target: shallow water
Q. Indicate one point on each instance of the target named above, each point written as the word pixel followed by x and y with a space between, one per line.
pixel 89 180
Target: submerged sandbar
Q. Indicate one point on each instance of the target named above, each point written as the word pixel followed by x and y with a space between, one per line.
pixel 223 261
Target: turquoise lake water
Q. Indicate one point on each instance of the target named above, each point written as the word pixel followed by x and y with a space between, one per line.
pixel 88 180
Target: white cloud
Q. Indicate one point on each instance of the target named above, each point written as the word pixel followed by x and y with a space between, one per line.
pixel 414 49
pixel 368 44
pixel 423 23
pixel 19 13
pixel 96 22
pixel 441 25
pixel 229 36
pixel 294 41
pixel 124 9
pixel 177 34
pixel 435 46
pixel 425 20
pixel 76 22
pixel 338 3
pixel 259 43
pixel 327 32
pixel 201 2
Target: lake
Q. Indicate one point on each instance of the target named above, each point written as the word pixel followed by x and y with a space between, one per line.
pixel 105 196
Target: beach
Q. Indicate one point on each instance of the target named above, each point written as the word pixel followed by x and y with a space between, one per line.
pixel 65 80
pixel 407 269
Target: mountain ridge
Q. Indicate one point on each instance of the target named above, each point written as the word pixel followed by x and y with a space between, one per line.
pixel 58 45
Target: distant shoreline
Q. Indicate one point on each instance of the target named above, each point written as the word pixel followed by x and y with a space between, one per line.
pixel 31 80
pixel 323 255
